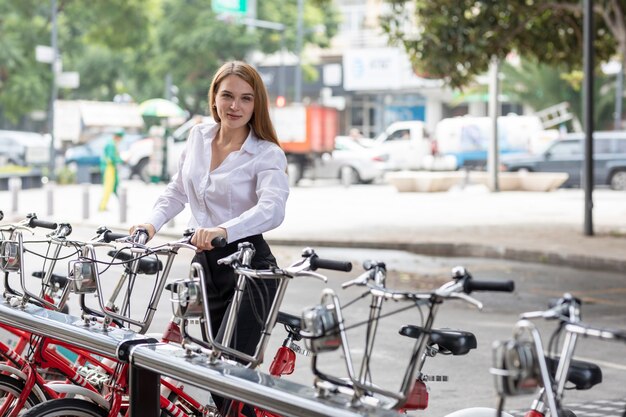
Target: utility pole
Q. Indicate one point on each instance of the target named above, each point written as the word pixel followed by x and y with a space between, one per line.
pixel 588 52
pixel 54 90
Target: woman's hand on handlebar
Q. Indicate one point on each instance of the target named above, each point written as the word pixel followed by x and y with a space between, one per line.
pixel 146 226
pixel 204 237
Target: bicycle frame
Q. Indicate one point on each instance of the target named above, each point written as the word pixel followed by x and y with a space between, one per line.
pixel 412 393
pixel 533 372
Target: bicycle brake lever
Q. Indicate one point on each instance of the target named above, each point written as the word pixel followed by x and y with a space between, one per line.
pixel 313 275
pixel 468 299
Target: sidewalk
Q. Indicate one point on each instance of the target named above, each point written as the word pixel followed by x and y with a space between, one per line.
pixel 524 226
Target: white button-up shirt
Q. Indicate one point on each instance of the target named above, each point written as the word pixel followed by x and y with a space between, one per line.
pixel 246 194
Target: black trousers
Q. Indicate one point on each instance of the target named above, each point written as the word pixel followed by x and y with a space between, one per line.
pixel 256 299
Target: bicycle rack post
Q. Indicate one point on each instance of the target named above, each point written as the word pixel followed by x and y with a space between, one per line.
pixel 85 201
pixel 15 185
pixel 144 389
pixel 123 204
pixel 50 199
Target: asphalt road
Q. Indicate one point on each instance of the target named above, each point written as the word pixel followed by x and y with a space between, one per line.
pixel 469 382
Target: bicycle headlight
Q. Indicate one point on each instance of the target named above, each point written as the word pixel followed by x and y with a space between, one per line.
pixel 9 256
pixel 82 277
pixel 320 327
pixel 187 298
pixel 516 368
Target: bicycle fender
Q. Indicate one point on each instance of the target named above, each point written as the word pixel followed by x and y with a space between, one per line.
pixel 63 388
pixel 478 412
pixel 22 376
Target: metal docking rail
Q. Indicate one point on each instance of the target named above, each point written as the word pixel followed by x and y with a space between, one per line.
pixel 149 360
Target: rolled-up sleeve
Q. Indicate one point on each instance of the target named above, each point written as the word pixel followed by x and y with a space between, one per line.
pixel 272 190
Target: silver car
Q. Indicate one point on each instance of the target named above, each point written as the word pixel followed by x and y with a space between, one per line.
pixel 350 162
pixel 24 148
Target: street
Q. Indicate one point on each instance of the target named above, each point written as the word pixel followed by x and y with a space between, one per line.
pixel 469 382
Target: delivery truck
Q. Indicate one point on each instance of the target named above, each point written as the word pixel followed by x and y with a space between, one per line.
pixel 306 133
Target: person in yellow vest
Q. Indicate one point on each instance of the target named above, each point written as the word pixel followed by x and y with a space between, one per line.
pixel 108 167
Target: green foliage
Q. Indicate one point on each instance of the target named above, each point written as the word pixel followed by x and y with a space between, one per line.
pixel 65 176
pixel 456 39
pixel 539 85
pixel 129 46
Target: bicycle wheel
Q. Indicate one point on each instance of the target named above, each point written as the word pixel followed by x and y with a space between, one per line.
pixel 10 390
pixel 66 407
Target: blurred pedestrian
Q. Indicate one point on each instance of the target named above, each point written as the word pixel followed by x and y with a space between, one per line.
pixel 108 168
pixel 233 175
pixel 355 134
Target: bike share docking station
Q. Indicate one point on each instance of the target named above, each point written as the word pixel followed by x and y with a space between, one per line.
pixel 150 360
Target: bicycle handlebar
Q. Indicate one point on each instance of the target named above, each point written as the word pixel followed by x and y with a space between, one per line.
pixel 33 221
pixel 498 286
pixel 109 236
pixel 317 262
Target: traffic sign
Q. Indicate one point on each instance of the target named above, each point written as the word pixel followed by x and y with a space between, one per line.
pixel 237 7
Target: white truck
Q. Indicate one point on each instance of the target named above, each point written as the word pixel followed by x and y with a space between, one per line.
pixel 145 157
pixel 409 147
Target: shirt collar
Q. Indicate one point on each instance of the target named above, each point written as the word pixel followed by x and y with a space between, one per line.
pixel 251 144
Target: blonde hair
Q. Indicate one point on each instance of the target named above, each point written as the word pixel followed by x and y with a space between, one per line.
pixel 260 121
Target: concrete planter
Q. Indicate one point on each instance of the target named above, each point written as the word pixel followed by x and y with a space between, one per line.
pixel 438 181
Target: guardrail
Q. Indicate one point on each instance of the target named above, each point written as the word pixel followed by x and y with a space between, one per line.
pixel 149 360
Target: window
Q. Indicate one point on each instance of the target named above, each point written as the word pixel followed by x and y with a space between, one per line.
pixel 403 134
pixel 566 149
pixel 620 146
pixel 602 146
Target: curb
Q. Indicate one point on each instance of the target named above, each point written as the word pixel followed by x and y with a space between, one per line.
pixel 450 250
pixel 593 263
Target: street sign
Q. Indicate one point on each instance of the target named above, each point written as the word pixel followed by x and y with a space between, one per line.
pixel 68 79
pixel 44 54
pixel 237 7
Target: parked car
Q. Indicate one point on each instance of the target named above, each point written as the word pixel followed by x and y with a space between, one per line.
pixel 88 154
pixel 349 162
pixel 137 156
pixel 567 155
pixel 24 148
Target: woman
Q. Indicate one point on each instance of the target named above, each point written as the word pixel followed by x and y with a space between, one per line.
pixel 233 176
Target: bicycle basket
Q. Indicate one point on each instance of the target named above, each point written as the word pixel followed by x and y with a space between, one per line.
pixel 9 256
pixel 187 298
pixel 320 327
pixel 82 277
pixel 516 368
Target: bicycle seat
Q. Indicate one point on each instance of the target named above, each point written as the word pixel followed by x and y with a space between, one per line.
pixel 449 341
pixel 147 265
pixel 583 375
pixel 59 280
pixel 289 320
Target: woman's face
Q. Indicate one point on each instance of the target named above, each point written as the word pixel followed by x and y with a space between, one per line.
pixel 235 102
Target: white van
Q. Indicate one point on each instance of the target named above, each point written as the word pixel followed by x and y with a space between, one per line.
pixel 467 138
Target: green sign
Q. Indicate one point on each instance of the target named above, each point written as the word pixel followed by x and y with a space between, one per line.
pixel 239 7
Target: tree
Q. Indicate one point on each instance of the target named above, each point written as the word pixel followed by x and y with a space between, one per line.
pixel 129 46
pixel 456 39
pixel 96 40
pixel 193 42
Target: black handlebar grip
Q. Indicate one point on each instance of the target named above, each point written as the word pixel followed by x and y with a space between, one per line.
pixel 502 286
pixel 1 214
pixel 108 236
pixel 35 222
pixel 218 242
pixel 317 262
